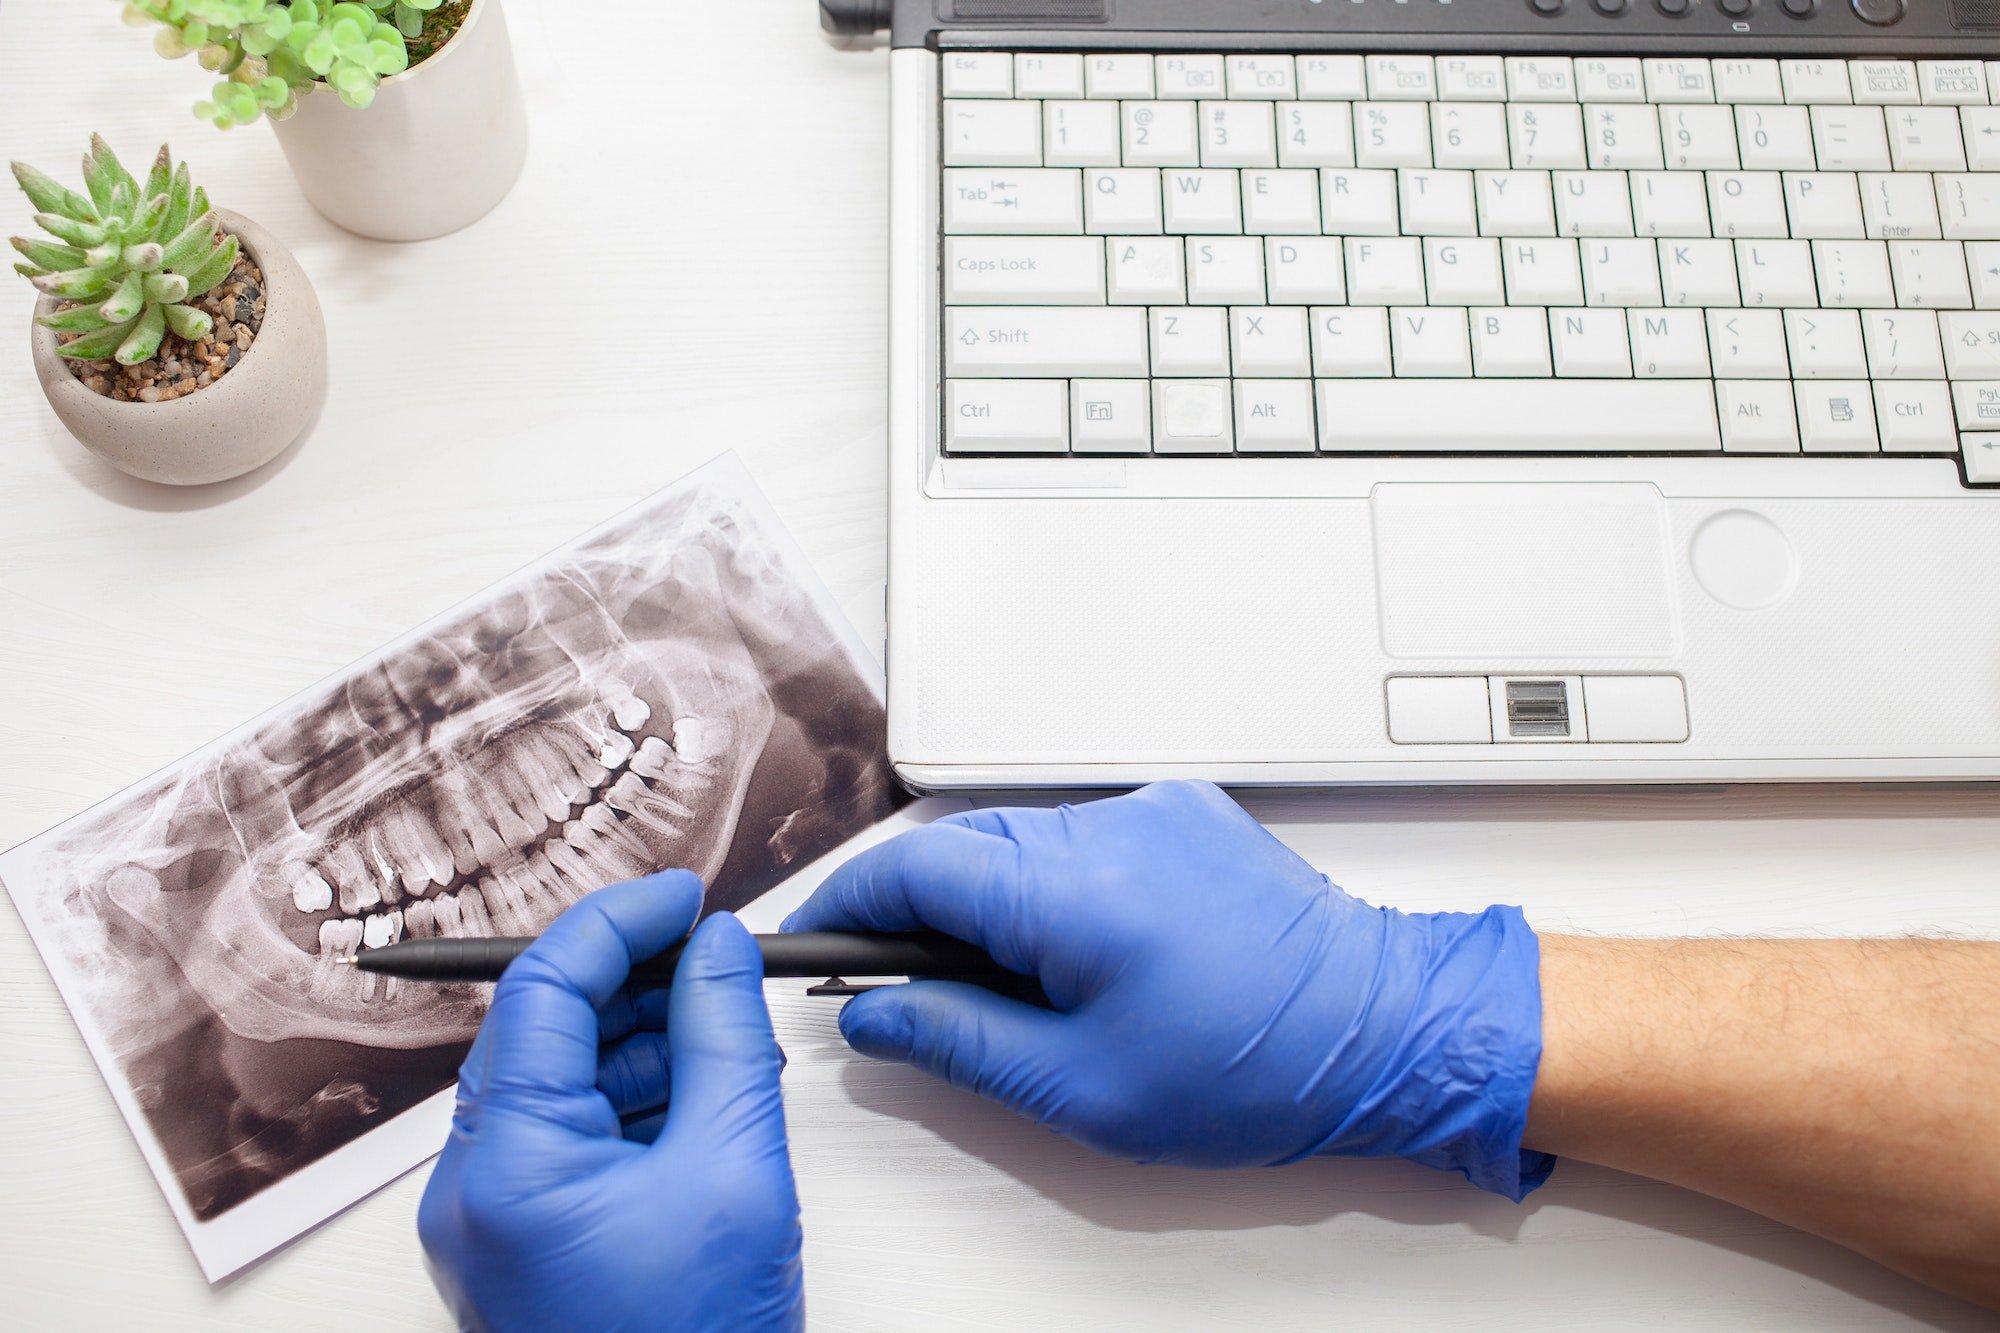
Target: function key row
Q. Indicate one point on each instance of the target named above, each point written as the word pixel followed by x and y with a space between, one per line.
pixel 1411 78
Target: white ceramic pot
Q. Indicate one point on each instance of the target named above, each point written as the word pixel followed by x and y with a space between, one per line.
pixel 437 150
pixel 240 422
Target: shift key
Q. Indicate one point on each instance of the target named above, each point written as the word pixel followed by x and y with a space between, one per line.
pixel 1055 343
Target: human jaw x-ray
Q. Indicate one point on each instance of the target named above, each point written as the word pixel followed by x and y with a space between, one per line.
pixel 665 693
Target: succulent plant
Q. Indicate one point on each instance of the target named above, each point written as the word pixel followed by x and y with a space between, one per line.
pixel 270 52
pixel 131 254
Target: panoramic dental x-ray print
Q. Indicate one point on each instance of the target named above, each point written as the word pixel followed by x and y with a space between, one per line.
pixel 672 690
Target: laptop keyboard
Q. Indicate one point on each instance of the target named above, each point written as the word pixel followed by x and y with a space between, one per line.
pixel 1392 254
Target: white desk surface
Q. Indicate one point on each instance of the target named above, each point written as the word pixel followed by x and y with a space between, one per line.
pixel 488 402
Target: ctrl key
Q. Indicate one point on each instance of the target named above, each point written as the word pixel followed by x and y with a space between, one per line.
pixel 1007 416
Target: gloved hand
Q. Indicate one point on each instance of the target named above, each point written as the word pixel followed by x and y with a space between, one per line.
pixel 547 1212
pixel 1216 1002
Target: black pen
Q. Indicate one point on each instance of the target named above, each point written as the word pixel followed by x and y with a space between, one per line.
pixel 805 954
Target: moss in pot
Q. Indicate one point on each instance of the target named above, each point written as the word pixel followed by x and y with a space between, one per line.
pixel 153 305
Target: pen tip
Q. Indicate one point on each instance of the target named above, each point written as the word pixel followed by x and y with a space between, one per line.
pixel 344 961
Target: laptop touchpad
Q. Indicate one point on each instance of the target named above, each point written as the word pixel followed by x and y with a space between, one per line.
pixel 1541 570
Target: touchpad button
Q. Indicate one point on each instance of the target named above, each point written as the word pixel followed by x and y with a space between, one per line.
pixel 1543 570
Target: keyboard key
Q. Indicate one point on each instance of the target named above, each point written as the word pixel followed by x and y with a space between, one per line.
pixel 1926 139
pixel 1970 204
pixel 1316 134
pixel 1930 275
pixel 1238 134
pixel 1517 416
pixel 1358 203
pixel 1623 138
pixel 1853 275
pixel 1899 206
pixel 1952 82
pixel 1837 418
pixel 1122 201
pixel 1430 341
pixel 1275 417
pixel 1748 345
pixel 1669 344
pixel 1281 203
pixel 1110 416
pixel 1265 77
pixel 1192 417
pixel 1225 270
pixel 1679 80
pixel 1621 273
pixel 1401 79
pixel 1698 138
pixel 1983 259
pixel 1189 342
pixel 998 134
pixel 1825 344
pixel 1511 343
pixel 1971 342
pixel 1007 416
pixel 1758 417
pixel 1915 417
pixel 1080 134
pixel 1471 79
pixel 1776 274
pixel 1270 342
pixel 1515 203
pixel 1305 270
pixel 1823 205
pixel 1024 270
pixel 1698 273
pixel 968 74
pixel 1982 459
pixel 1743 204
pixel 1437 203
pixel 1188 77
pixel 1775 138
pixel 1669 203
pixel 1903 345
pixel 1474 135
pixel 1385 271
pixel 1332 78
pixel 1547 137
pixel 1013 203
pixel 1160 134
pixel 1390 134
pixel 1619 80
pixel 1463 272
pixel 1884 82
pixel 1147 270
pixel 1350 342
pixel 1982 136
pixel 1978 404
pixel 1118 76
pixel 1591 344
pixel 1207 203
pixel 1100 341
pixel 1593 203
pixel 1540 79
pixel 1748 81
pixel 1850 138
pixel 1816 81
pixel 1046 75
pixel 1542 272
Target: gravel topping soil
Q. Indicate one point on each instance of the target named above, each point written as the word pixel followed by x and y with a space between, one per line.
pixel 236 304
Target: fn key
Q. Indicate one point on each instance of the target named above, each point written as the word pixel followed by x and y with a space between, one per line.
pixel 1007 417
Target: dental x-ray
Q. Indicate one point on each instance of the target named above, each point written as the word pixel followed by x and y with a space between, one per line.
pixel 671 690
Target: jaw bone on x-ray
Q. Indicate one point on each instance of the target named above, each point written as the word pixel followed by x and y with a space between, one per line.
pixel 664 693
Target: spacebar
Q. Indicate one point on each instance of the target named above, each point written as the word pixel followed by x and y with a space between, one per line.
pixel 1517 416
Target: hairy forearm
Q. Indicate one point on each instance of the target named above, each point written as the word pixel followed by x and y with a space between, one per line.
pixel 1849 1088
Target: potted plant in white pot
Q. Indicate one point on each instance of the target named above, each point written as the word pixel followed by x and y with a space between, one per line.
pixel 402 119
pixel 179 343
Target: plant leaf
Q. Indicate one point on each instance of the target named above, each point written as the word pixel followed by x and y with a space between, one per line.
pixel 79 319
pixel 162 174
pixel 145 256
pixel 186 250
pixel 84 234
pixel 179 199
pixel 50 196
pixel 189 323
pixel 96 346
pixel 214 269
pixel 99 184
pixel 114 170
pixel 146 227
pixel 49 258
pixel 166 288
pixel 144 340
pixel 79 284
pixel 127 301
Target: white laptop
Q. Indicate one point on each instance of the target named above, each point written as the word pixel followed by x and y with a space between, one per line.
pixel 1443 391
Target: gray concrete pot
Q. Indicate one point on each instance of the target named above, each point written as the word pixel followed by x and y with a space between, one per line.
pixel 438 149
pixel 240 422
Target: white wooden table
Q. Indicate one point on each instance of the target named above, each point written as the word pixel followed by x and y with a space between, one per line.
pixel 490 400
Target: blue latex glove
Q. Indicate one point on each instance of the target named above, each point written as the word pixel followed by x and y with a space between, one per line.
pixel 572 1194
pixel 1216 1001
